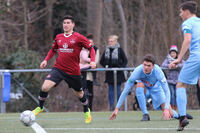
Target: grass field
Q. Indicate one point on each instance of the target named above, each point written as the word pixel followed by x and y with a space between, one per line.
pixel 72 122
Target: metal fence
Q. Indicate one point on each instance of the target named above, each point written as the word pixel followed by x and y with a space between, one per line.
pixel 2 71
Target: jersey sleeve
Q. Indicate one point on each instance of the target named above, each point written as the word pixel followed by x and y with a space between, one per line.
pixel 186 28
pixel 92 54
pixel 128 85
pixel 52 51
pixel 162 79
pixel 84 42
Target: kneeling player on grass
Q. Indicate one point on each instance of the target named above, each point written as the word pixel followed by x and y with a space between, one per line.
pixel 69 45
pixel 151 82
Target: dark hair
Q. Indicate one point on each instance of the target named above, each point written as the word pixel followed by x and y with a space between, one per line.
pixel 149 58
pixel 189 5
pixel 90 36
pixel 68 17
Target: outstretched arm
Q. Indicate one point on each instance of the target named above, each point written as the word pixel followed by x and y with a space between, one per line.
pixel 114 114
pixel 92 56
pixel 48 57
pixel 129 83
pixel 124 94
pixel 165 106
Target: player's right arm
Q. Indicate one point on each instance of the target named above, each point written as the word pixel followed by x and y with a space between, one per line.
pixel 50 54
pixel 43 64
pixel 129 83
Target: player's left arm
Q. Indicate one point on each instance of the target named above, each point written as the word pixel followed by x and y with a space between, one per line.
pixel 165 87
pixel 166 115
pixel 92 58
pixel 185 45
pixel 86 44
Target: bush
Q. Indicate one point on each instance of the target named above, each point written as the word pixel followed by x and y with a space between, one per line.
pixel 22 59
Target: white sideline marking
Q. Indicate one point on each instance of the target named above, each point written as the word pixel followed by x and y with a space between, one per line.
pixel 37 128
pixel 196 129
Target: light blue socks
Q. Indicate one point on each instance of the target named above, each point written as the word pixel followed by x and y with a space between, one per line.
pixel 175 114
pixel 141 100
pixel 181 100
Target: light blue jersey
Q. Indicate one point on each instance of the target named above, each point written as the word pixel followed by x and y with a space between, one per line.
pixel 191 69
pixel 155 82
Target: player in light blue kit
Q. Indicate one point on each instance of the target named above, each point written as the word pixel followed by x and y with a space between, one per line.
pixel 191 69
pixel 151 82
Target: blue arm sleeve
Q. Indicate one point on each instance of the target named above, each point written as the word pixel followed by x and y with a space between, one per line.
pixel 124 94
pixel 167 92
pixel 129 83
pixel 164 84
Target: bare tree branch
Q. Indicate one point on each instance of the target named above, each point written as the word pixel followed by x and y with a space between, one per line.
pixel 124 26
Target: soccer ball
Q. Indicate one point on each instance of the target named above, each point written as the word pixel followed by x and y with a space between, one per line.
pixel 27 117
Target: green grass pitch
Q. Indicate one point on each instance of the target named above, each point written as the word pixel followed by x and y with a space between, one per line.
pixel 73 122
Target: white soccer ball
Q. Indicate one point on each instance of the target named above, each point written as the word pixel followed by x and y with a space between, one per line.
pixel 27 118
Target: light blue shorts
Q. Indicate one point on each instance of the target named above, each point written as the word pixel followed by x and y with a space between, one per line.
pixel 156 93
pixel 190 72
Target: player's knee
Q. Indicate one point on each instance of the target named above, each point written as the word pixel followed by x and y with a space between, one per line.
pixel 45 88
pixel 47 85
pixel 139 91
pixel 140 84
pixel 79 94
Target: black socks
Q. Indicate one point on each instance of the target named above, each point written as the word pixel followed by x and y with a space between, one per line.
pixel 84 101
pixel 42 97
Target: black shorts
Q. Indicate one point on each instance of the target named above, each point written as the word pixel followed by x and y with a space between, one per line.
pixel 56 75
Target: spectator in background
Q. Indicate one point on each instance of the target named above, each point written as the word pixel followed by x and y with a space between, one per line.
pixel 113 57
pixel 84 65
pixel 91 76
pixel 172 74
pixel 90 38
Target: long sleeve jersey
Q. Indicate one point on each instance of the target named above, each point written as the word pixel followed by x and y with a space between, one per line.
pixel 69 48
pixel 149 81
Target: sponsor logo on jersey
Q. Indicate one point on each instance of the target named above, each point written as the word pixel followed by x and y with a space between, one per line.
pixel 147 83
pixel 65 45
pixel 65 49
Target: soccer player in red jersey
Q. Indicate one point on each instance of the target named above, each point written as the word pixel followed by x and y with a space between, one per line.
pixel 68 45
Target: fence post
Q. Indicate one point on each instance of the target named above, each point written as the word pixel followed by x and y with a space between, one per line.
pixel 115 87
pixel 3 106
